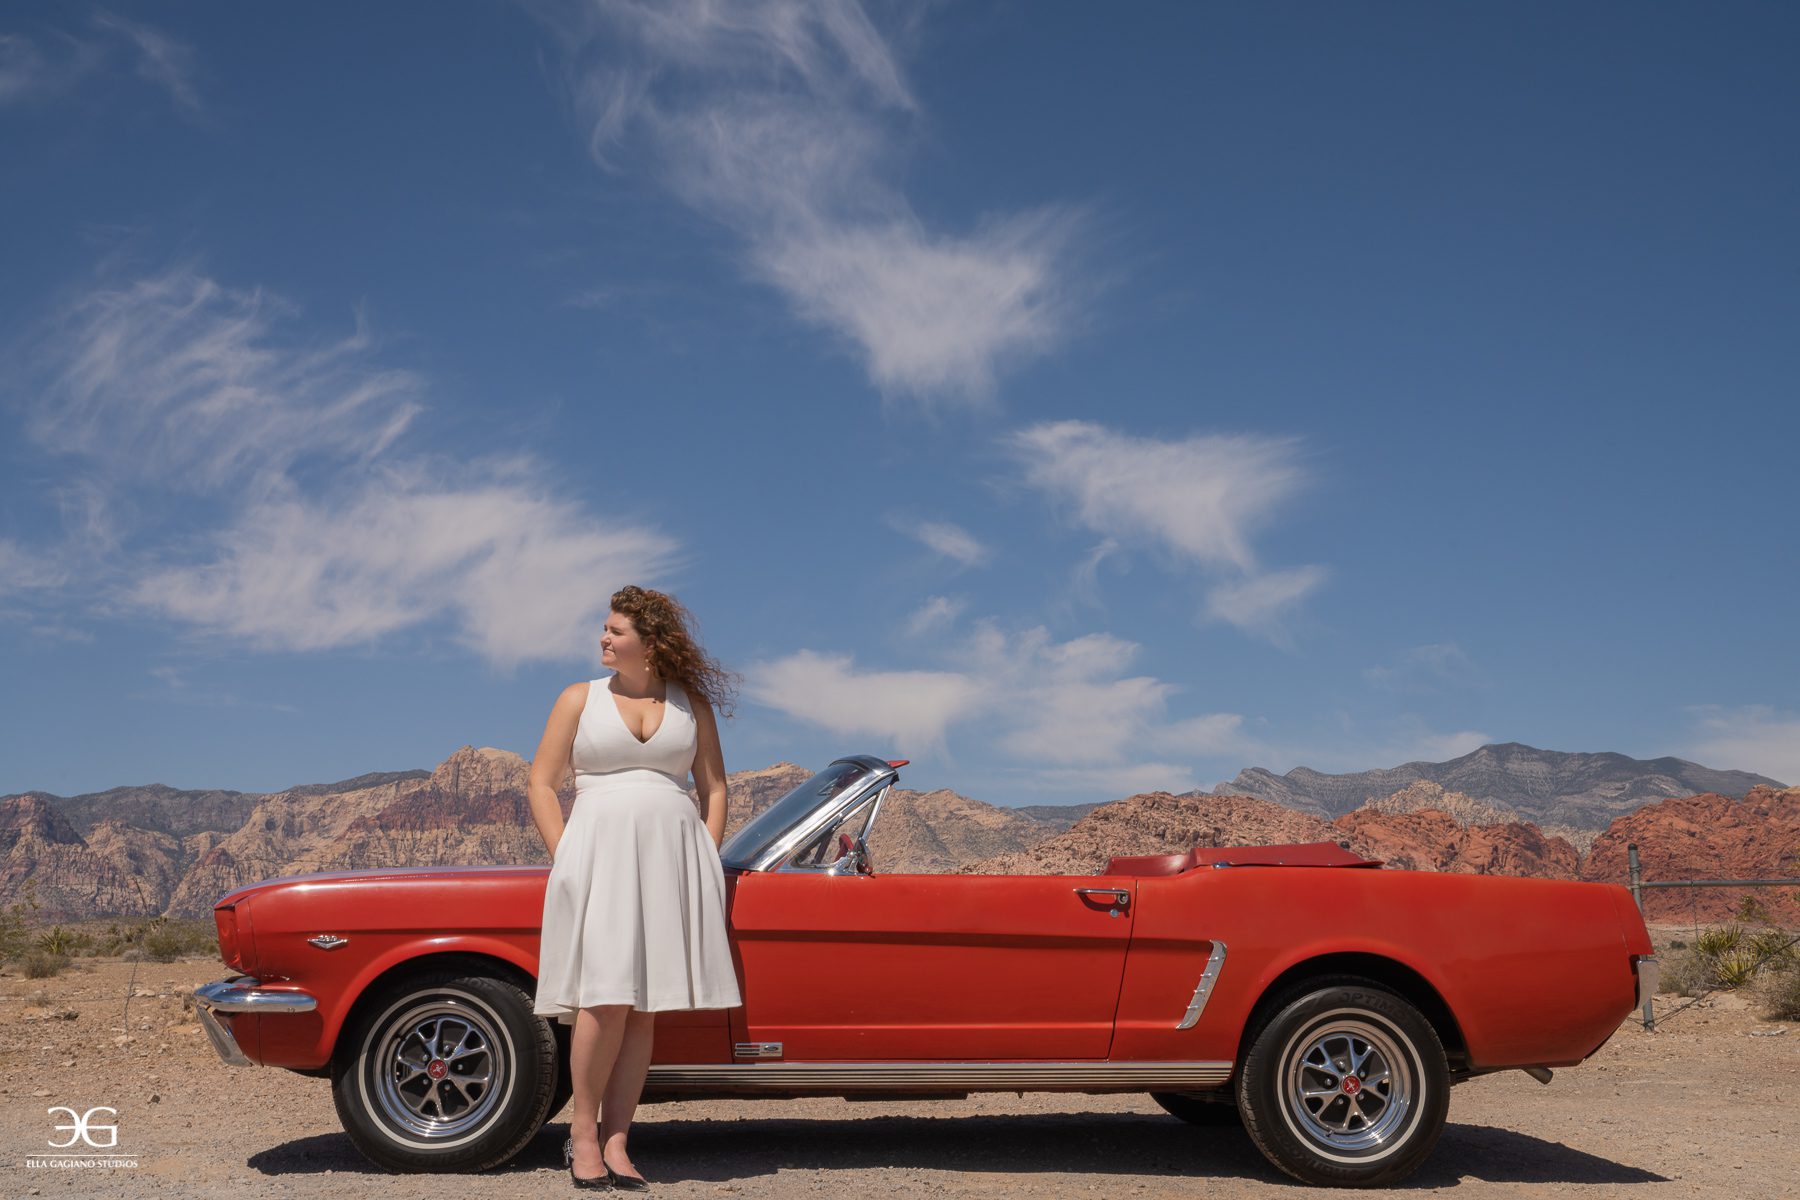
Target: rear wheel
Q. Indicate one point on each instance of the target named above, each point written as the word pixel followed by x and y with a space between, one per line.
pixel 1345 1085
pixel 444 1071
pixel 1197 1108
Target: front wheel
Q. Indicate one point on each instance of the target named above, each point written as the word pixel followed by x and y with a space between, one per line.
pixel 444 1071
pixel 1345 1085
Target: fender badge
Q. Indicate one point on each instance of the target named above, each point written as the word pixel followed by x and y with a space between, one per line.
pixel 328 941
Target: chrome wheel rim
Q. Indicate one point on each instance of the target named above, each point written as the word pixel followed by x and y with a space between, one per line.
pixel 439 1069
pixel 1350 1086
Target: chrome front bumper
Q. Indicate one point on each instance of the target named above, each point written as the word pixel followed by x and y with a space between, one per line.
pixel 240 993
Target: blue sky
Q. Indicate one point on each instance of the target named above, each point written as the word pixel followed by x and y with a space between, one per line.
pixel 1074 400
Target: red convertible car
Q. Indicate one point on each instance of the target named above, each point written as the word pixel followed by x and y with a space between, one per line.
pixel 1327 1003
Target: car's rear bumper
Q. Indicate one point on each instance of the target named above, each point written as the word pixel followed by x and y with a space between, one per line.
pixel 242 994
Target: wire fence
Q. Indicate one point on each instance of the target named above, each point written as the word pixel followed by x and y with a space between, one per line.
pixel 1638 884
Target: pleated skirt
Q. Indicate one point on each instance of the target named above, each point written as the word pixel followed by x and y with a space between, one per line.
pixel 634 912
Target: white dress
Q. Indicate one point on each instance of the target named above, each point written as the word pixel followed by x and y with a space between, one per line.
pixel 634 911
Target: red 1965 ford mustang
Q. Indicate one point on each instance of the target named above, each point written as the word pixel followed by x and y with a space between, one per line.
pixel 1326 1003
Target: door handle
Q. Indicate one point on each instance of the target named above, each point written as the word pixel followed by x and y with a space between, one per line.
pixel 1119 897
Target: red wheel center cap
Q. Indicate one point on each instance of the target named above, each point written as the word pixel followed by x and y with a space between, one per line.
pixel 1352 1085
pixel 437 1068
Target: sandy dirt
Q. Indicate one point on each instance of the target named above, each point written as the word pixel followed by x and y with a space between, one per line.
pixel 1704 1107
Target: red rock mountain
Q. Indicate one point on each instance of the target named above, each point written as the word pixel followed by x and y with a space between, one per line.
pixel 472 809
pixel 1708 837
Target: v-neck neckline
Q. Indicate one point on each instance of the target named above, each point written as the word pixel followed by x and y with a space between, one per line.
pixel 627 724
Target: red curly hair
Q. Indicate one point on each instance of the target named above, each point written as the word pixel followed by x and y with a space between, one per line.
pixel 663 625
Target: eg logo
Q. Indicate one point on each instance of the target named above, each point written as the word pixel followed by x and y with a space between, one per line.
pixel 81 1129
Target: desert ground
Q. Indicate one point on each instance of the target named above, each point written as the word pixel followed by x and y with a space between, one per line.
pixel 1703 1107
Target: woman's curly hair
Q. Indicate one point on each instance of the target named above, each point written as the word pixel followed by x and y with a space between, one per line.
pixel 663 625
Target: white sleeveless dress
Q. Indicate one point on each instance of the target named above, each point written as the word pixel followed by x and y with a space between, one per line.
pixel 634 911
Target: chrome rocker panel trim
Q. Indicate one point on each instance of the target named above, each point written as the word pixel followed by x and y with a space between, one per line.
pixel 241 994
pixel 854 1077
pixel 1209 975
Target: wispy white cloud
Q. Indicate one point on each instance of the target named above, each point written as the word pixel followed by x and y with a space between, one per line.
pixel 1194 501
pixel 1261 604
pixel 1363 744
pixel 781 120
pixel 24 569
pixel 177 379
pixel 1129 779
pixel 911 708
pixel 946 538
pixel 331 536
pixel 35 69
pixel 1070 710
pixel 1197 498
pixel 161 60
pixel 1426 668
pixel 27 72
pixel 520 575
pixel 935 616
pixel 1753 737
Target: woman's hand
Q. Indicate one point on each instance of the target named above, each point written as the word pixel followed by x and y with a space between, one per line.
pixel 550 766
pixel 709 771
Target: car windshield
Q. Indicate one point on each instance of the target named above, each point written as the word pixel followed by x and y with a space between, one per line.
pixel 775 821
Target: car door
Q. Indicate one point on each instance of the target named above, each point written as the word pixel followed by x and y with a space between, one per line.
pixel 953 967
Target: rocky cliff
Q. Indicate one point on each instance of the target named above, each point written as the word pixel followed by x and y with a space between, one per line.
pixel 1158 823
pixel 1428 840
pixel 472 809
pixel 1546 787
pixel 1709 836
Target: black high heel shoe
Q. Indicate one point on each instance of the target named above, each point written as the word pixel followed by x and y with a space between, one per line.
pixel 625 1183
pixel 598 1181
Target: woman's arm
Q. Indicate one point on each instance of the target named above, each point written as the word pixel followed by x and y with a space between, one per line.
pixel 551 764
pixel 709 770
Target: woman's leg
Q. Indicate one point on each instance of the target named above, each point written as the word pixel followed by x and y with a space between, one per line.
pixel 619 1103
pixel 593 1049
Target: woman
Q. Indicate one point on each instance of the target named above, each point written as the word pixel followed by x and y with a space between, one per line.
pixel 634 913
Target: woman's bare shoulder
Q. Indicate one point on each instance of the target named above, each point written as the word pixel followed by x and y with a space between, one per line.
pixel 574 696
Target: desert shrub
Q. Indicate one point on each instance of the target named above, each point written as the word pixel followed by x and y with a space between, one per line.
pixel 1779 992
pixel 56 940
pixel 1775 947
pixel 172 939
pixel 15 924
pixel 1728 957
pixel 40 964
pixel 1716 942
pixel 1735 968
pixel 1686 973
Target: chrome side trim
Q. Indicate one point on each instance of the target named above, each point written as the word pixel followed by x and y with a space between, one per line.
pixel 933 1076
pixel 240 994
pixel 1209 975
pixel 756 1050
pixel 328 941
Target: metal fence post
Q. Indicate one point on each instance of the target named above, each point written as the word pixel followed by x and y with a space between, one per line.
pixel 1636 877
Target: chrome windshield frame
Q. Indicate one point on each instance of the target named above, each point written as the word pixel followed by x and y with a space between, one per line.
pixel 774 855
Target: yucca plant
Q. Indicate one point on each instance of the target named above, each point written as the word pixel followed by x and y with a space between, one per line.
pixel 1735 968
pixel 1715 943
pixel 56 940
